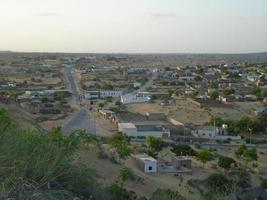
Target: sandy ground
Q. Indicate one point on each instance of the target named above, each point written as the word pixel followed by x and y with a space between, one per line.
pixel 182 111
pixel 262 157
pixel 238 110
pixel 144 184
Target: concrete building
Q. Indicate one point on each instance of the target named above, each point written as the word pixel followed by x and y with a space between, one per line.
pixel 186 78
pixel 128 128
pixel 136 85
pixel 110 93
pixel 91 95
pixel 260 111
pixel 133 130
pixel 182 162
pixel 134 98
pixel 102 94
pixel 147 163
pixel 206 131
pixel 214 133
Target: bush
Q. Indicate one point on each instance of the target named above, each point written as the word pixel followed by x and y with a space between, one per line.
pixel 34 163
pixel 264 183
pixel 166 194
pixel 183 149
pixel 226 162
pixel 240 177
pixel 219 183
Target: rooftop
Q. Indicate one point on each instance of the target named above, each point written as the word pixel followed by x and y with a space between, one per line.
pixel 145 157
pixel 127 125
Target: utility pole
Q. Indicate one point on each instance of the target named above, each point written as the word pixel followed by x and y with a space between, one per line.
pixel 250 133
pixel 184 132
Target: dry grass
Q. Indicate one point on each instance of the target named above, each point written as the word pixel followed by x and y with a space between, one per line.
pixel 182 111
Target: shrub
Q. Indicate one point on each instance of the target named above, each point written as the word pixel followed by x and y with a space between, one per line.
pixel 219 183
pixel 226 162
pixel 166 194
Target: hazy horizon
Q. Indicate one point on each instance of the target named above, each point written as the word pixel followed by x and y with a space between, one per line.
pixel 134 26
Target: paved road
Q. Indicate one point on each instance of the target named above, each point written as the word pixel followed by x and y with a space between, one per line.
pixel 81 119
pixel 72 85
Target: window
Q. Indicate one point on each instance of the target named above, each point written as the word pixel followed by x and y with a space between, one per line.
pixel 150 168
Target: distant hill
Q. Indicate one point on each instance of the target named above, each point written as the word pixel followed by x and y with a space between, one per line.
pixel 161 59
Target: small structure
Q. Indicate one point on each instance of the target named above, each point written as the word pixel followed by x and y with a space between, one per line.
pixel 182 162
pixel 136 85
pixel 260 111
pixel 107 114
pixel 147 163
pixel 128 128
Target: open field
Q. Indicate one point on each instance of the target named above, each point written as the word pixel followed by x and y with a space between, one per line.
pixel 181 110
pixel 144 184
pixel 235 110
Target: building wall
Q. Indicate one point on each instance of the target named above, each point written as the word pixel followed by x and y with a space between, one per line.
pixel 128 131
pixel 150 167
pixel 150 133
pixel 127 99
pixel 110 93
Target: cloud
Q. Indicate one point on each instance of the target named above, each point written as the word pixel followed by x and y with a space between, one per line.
pixel 163 15
pixel 48 14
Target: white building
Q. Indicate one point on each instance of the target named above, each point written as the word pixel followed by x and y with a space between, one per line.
pixel 91 95
pixel 136 85
pixel 102 94
pixel 133 98
pixel 186 78
pixel 132 130
pixel 252 78
pixel 147 163
pixel 260 110
pixel 214 133
pixel 110 93
pixel 206 132
pixel 128 128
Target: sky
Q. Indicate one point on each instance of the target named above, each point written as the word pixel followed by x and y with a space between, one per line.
pixel 134 26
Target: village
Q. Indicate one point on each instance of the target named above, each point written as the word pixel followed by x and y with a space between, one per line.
pixel 180 108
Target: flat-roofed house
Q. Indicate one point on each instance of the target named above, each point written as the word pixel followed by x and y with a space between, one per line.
pixel 128 128
pixel 147 163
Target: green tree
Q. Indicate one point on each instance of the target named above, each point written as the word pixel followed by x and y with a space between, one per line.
pixel 246 154
pixel 154 144
pixel 183 149
pixel 228 92
pixel 119 193
pixel 204 156
pixel 217 120
pixel 214 95
pixel 125 174
pixel 264 183
pixel 198 78
pixel 121 144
